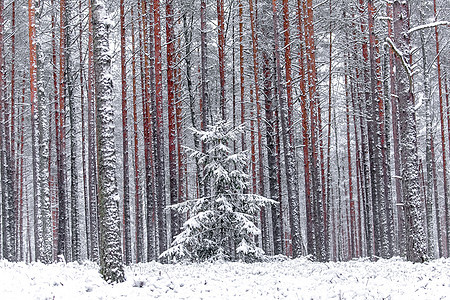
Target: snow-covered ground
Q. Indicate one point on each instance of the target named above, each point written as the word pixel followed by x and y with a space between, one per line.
pixel 292 279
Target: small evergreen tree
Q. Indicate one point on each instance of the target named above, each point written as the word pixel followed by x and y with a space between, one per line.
pixel 220 225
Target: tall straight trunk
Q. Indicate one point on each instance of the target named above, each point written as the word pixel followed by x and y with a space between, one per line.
pixel 55 205
pixel 328 175
pixel 366 140
pixel 111 266
pixel 395 133
pixel 171 111
pixel 7 167
pixel 314 107
pixel 20 175
pixel 386 213
pixel 375 133
pixel 305 129
pixel 221 50
pixel 270 107
pixel 126 172
pixel 74 192
pixel 83 133
pixel 158 137
pixel 33 92
pixel 148 96
pixel 204 97
pixel 428 156
pixel 53 114
pixel 441 100
pixel 139 217
pixel 188 18
pixel 182 166
pixel 233 76
pixel 359 176
pixel 289 151
pixel 241 71
pixel 278 167
pixel 60 150
pixel 203 67
pixel 148 160
pixel 258 118
pixel 353 240
pixel 92 136
pixel 254 188
pixel 437 210
pixel 12 122
pixel 448 117
pixel 45 117
pixel 415 235
pixel 339 238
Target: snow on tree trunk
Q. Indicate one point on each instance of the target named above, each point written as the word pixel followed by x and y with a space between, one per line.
pixel 415 235
pixel 126 173
pixel 289 151
pixel 110 246
pixel 92 166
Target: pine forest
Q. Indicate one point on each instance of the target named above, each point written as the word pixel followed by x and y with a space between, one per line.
pixel 193 130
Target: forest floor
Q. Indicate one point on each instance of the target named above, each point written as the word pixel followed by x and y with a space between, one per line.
pixel 289 279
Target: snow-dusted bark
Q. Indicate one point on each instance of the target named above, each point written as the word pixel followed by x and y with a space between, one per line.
pixel 63 229
pixel 125 164
pixel 204 99
pixel 70 97
pixel 139 218
pixel 428 155
pixel 315 130
pixel 274 168
pixel 158 134
pixel 415 235
pixel 289 151
pixel 110 246
pixel 92 153
pixel 7 169
pixel 34 121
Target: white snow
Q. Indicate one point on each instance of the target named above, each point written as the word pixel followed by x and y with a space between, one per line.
pixel 287 279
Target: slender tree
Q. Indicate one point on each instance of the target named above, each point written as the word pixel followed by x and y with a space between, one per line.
pixel 291 173
pixel 126 185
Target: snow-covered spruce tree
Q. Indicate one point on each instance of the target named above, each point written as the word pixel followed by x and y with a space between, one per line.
pixel 111 266
pixel 221 225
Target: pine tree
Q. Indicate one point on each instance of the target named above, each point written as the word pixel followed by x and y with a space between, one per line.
pixel 110 247
pixel 221 224
pixel 415 234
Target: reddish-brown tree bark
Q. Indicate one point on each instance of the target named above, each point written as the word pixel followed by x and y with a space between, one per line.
pixel 171 117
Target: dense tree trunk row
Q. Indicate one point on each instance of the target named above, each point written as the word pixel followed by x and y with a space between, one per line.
pixel 329 93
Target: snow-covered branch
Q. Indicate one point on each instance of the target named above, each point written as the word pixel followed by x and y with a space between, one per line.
pixel 429 25
pixel 399 53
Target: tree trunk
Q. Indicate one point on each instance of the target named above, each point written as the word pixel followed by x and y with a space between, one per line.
pixel 110 251
pixel 92 136
pixel 221 50
pixel 126 173
pixel 158 137
pixel 171 111
pixel 139 217
pixel 289 157
pixel 415 235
